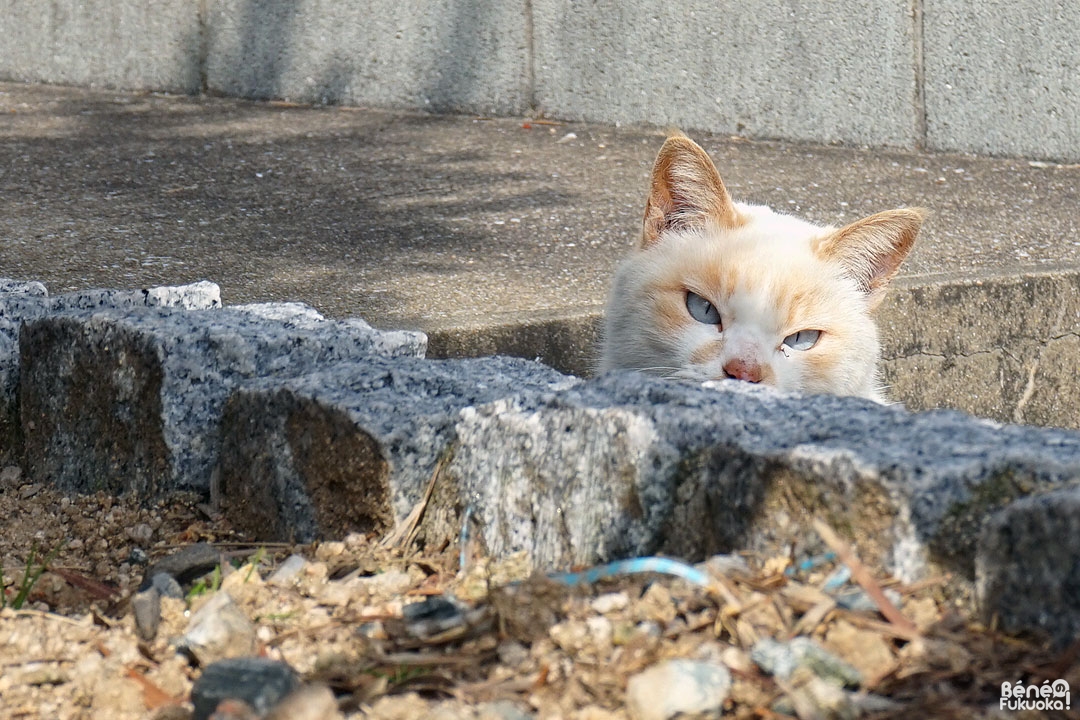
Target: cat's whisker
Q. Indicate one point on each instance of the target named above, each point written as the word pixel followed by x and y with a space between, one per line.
pixel 661 371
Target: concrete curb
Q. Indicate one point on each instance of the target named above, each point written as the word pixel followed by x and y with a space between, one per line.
pixel 317 428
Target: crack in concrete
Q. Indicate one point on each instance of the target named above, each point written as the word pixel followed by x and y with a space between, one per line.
pixel 1040 342
pixel 1033 369
pixel 944 356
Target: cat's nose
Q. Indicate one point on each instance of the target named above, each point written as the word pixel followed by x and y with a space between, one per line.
pixel 743 370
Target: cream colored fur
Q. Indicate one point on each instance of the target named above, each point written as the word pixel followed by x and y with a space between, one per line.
pixel 769 275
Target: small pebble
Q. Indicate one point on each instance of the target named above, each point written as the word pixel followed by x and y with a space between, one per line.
pixel 610 602
pixel 146 607
pixel 166 584
pixel 185 564
pixel 308 702
pixel 287 572
pixel 218 630
pixel 10 475
pixel 675 687
pixel 783 658
pixel 29 491
pixel 258 682
pixel 140 533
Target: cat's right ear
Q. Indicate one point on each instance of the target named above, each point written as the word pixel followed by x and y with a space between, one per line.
pixel 686 192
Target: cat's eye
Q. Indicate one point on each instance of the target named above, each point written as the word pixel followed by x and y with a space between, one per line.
pixel 701 309
pixel 802 340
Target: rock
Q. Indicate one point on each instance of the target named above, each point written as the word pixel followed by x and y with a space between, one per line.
pixel 352 447
pixel 288 572
pixel 610 602
pixel 43 675
pixel 814 697
pixel 146 607
pixel 626 465
pixel 259 682
pixel 308 702
pixel 391 582
pixel 231 709
pixel 167 586
pixel 1028 566
pixel 218 630
pixel 183 565
pixel 864 649
pixel 25 301
pixel 10 476
pixel 677 686
pixel 161 378
pixel 140 533
pixel 782 659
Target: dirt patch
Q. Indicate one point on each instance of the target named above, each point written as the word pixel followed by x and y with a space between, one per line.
pixel 492 640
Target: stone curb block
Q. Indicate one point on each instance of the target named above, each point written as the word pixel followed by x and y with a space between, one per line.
pixel 626 465
pixel 352 448
pixel 1027 568
pixel 159 379
pixel 315 427
pixel 25 301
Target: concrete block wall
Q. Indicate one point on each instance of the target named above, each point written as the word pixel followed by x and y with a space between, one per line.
pixel 304 428
pixel 939 74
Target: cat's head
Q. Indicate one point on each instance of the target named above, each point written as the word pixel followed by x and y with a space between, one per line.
pixel 720 290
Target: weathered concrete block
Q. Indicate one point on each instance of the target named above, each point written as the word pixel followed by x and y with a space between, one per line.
pixel 1002 348
pixel 628 465
pixel 25 301
pixel 1027 569
pixel 992 87
pixel 441 55
pixel 352 447
pixel 111 43
pixel 828 71
pixel 130 400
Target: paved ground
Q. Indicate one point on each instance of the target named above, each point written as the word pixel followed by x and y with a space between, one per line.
pixel 469 228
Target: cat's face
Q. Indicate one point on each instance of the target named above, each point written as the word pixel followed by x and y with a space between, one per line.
pixel 720 290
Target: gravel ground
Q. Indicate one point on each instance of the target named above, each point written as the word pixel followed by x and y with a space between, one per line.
pixel 515 645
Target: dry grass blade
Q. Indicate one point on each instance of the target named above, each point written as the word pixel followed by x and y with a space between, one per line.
pixel 812 618
pixel 862 576
pixel 404 534
pixel 888 629
pixel 98 590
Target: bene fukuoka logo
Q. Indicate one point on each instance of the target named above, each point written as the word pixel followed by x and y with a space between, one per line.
pixel 1048 696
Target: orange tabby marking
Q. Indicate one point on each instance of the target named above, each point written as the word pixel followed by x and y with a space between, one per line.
pixel 720 290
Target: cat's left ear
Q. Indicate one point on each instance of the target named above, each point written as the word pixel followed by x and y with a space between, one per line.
pixel 872 249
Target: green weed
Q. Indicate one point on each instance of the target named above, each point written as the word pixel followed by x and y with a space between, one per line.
pixel 31 574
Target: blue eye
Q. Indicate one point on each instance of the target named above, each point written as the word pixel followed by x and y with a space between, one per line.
pixel 802 340
pixel 701 309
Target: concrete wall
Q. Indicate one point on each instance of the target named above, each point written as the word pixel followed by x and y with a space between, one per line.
pixel 941 74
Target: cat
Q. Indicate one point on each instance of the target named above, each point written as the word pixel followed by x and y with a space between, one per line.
pixel 719 289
